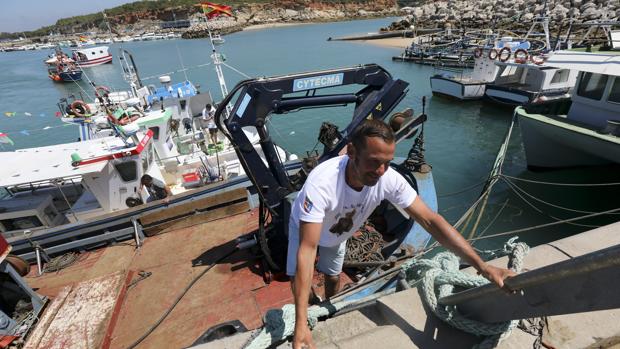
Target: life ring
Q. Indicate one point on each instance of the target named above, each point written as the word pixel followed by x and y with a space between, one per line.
pixel 80 109
pixel 521 56
pixel 538 60
pixel 105 93
pixel 492 54
pixel 478 52
pixel 502 57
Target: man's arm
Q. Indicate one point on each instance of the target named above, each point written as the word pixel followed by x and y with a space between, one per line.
pixel 446 235
pixel 309 235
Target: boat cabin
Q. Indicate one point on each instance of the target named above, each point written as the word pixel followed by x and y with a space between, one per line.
pixel 65 183
pixel 596 97
pixel 520 83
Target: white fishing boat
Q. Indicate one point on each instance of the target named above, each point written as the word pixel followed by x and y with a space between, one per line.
pixel 584 130
pixel 526 81
pixel 456 83
pixel 92 56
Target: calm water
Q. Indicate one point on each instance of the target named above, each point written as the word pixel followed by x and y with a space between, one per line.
pixel 461 138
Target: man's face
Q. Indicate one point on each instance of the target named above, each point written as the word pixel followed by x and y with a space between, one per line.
pixel 371 162
pixel 148 183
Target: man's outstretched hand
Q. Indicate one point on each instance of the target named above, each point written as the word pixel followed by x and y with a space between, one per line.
pixel 303 337
pixel 496 275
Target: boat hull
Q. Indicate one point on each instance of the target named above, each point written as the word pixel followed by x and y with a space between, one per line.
pixel 453 88
pixel 551 142
pixel 95 62
pixel 70 76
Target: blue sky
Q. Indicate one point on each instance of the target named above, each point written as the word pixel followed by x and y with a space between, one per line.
pixel 23 15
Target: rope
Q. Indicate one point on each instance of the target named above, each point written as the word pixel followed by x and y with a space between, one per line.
pixel 60 262
pixel 562 184
pixel 440 274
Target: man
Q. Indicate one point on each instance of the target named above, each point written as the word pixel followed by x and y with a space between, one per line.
pixel 157 189
pixel 208 115
pixel 336 200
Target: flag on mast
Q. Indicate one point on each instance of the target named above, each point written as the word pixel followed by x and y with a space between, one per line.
pixel 212 10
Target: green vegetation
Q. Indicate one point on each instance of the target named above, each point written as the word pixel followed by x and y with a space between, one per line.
pixel 86 22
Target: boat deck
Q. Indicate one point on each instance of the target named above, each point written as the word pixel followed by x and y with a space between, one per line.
pixel 234 289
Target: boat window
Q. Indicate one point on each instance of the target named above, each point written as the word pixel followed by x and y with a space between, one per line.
pixel 147 157
pixel 101 51
pixel 155 130
pixel 20 223
pixel 92 53
pixel 614 94
pixel 127 170
pixel 561 75
pixel 592 86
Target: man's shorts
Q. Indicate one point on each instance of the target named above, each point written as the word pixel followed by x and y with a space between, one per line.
pixel 330 258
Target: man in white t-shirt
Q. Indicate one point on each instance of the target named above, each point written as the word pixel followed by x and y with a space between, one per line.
pixel 208 116
pixel 336 200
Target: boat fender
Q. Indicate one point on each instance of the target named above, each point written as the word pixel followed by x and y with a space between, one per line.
pixel 133 201
pixel 492 54
pixel 102 91
pixel 538 60
pixel 521 56
pixel 504 57
pixel 478 52
pixel 80 109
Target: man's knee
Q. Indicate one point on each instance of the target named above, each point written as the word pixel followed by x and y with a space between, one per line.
pixel 333 279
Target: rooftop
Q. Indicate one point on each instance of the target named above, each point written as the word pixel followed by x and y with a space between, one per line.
pixel 52 162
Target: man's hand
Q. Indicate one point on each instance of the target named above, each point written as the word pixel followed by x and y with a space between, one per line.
pixel 496 275
pixel 302 339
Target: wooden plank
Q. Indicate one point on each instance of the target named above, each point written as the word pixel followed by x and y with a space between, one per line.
pixel 117 309
pixel 83 318
pixel 34 338
pixel 189 207
pixel 196 219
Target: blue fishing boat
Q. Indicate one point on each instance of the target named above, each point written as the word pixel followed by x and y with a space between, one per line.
pixel 61 68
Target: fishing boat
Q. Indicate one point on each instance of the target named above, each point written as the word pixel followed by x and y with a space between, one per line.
pixel 524 81
pixel 91 56
pixel 461 85
pixel 61 68
pixel 231 232
pixel 583 130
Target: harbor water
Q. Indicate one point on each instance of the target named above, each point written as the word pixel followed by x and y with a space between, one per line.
pixel 462 139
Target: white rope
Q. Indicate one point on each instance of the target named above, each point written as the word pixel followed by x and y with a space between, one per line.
pixel 237 70
pixel 562 184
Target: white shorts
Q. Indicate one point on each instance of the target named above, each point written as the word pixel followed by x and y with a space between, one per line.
pixel 330 258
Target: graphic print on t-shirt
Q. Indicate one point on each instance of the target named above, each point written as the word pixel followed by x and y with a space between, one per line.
pixel 308 204
pixel 344 224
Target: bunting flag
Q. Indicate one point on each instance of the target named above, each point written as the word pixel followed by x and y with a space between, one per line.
pixel 212 10
pixel 25 132
pixel 27 114
pixel 9 113
pixel 4 138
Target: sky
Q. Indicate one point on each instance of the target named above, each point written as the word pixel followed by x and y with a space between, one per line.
pixel 24 15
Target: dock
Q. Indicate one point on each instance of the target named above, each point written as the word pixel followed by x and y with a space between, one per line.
pixel 401 320
pixel 450 63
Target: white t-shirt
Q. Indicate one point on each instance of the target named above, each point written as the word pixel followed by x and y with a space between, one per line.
pixel 208 116
pixel 327 198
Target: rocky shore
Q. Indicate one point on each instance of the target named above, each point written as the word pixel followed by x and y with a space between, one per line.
pixel 504 14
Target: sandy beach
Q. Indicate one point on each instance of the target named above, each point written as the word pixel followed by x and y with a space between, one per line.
pixel 389 42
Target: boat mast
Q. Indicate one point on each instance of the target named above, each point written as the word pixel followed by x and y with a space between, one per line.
pixel 543 19
pixel 217 61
